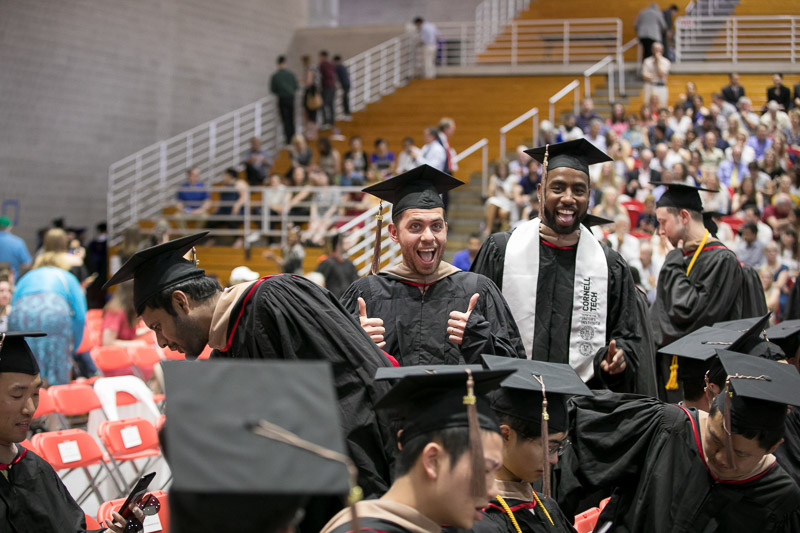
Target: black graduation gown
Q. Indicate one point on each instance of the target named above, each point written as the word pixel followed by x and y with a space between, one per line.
pixel 35 499
pixel 554 310
pixel 650 451
pixel 788 453
pixel 416 322
pixel 373 525
pixel 288 317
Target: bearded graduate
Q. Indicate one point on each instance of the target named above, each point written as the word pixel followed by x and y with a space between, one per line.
pixel 424 310
pixel 573 299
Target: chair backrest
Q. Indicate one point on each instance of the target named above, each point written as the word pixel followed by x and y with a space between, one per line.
pixel 585 522
pixel 144 356
pixel 92 330
pixel 151 525
pixel 70 448
pixel 107 389
pixel 46 404
pixel 111 357
pixel 74 399
pixel 127 436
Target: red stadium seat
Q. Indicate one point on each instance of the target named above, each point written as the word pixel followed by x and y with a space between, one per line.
pixel 91 523
pixel 74 399
pixel 585 522
pixel 129 439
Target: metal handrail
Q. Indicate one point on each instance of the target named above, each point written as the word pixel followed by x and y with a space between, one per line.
pixel 530 113
pixel 482 145
pixel 574 85
pixel 492 16
pixel 608 60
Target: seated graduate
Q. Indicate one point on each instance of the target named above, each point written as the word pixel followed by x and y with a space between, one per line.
pixel 531 406
pixel 265 453
pixel 424 310
pixel 681 470
pixel 276 317
pixel 32 496
pixel 449 451
pixel 573 298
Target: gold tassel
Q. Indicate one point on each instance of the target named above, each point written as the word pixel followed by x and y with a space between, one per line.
pixel 544 162
pixel 672 384
pixel 376 251
pixel 478 481
pixel 545 440
pixel 727 424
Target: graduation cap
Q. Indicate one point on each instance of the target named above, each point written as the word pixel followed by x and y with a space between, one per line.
pixel 271 432
pixel 680 196
pixel 534 384
pixel 398 372
pixel 786 335
pixel 577 154
pixel 595 220
pixel 757 393
pixel 157 268
pixel 698 347
pixel 418 188
pixel 429 403
pixel 16 355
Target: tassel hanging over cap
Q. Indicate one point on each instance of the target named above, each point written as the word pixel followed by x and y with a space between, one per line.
pixel 545 440
pixel 478 480
pixel 672 384
pixel 376 251
pixel 726 420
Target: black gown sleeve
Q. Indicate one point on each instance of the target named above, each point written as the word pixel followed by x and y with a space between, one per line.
pixel 349 299
pixel 490 260
pixel 491 328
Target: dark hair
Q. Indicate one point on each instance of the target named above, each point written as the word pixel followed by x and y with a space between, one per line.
pixel 323 53
pixel 525 430
pixel 778 74
pixel 418 20
pixel 198 289
pixel 754 208
pixel 750 226
pixel 408 139
pixel 378 141
pixel 455 442
pixel 337 57
pixel 324 145
pixel 696 215
pixel 281 60
pixel 432 130
pixel 232 172
pixel 767 438
pixel 474 236
pixel 693 387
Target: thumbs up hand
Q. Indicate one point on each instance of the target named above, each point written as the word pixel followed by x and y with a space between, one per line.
pixel 614 361
pixel 458 321
pixel 373 326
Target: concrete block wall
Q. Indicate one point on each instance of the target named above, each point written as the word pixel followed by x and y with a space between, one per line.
pixel 358 12
pixel 86 83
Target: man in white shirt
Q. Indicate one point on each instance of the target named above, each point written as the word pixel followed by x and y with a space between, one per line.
pixel 749 118
pixel 433 152
pixel 655 70
pixel 428 40
pixel 774 119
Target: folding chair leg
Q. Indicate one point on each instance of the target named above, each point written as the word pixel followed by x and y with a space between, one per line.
pixel 92 485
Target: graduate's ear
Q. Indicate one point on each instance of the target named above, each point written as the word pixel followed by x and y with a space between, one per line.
pixel 684 216
pixel 505 432
pixel 393 231
pixel 180 302
pixel 775 447
pixel 432 458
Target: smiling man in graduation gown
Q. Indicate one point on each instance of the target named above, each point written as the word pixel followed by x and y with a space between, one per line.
pixel 681 470
pixel 424 310
pixel 275 317
pixel 574 299
pixel 32 496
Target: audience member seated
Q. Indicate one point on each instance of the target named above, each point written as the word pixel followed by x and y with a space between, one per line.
pixel 232 201
pixel 710 155
pixel 774 119
pixel 753 215
pixel 746 196
pixel 499 207
pixel 330 162
pixel 301 154
pixel 635 134
pixel 647 221
pixel 357 156
pixel 258 162
pixel 750 119
pixel 6 292
pixel 325 206
pixel 648 269
pixel 570 130
pixel 759 142
pixel 292 254
pixel 781 214
pixel 595 135
pixel 750 250
pixel 772 293
pixel 275 198
pixel 731 172
pixel 789 248
pixel 779 92
pixel 519 166
pixel 301 196
pixel 780 273
pixel 618 122
pixel 784 184
pixel 720 201
pixel 339 272
pixel 194 200
pixel 382 159
pixel 638 180
pixel 609 207
pixel 548 134
pixel 793 135
pixel 350 176
pixel 733 91
pixel 586 115
pixel 622 241
pixel 463 259
pixel 407 159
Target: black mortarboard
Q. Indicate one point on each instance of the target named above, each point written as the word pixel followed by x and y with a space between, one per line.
pixel 429 403
pixel 157 268
pixel 418 188
pixel 577 154
pixel 680 196
pixel 16 355
pixel 399 372
pixel 214 448
pixel 595 220
pixel 786 335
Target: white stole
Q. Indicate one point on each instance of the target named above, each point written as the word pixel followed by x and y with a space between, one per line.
pixel 590 296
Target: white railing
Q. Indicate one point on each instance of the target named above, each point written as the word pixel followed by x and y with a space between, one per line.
pixel 621 61
pixel 573 86
pixel 735 39
pixel 532 113
pixel 607 61
pixel 563 41
pixel 362 228
pixel 491 18
pixel 709 8
pixel 142 184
